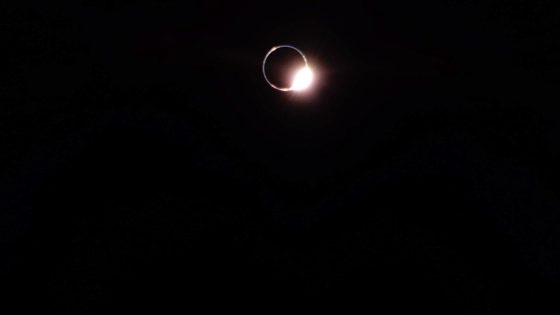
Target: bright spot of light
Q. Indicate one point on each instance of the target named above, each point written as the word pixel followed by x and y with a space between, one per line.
pixel 302 79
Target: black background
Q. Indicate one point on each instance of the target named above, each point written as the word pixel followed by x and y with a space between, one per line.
pixel 145 163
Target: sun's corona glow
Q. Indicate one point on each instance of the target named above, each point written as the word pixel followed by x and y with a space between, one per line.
pixel 302 79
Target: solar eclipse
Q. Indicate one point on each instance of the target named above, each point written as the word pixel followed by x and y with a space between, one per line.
pixel 301 79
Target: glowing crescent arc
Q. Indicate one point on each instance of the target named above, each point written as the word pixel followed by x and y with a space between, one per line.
pixel 283 89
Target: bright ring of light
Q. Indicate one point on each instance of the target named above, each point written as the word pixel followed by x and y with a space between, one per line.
pixel 283 89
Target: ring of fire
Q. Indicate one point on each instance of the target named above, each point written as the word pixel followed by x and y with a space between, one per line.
pixel 302 78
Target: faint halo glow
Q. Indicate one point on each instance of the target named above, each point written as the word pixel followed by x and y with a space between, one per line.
pixel 302 79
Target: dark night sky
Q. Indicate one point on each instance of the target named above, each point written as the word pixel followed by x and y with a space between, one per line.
pixel 146 163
